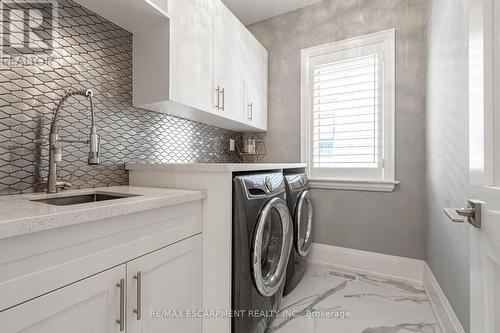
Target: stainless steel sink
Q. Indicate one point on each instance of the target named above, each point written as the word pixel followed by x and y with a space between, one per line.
pixel 83 198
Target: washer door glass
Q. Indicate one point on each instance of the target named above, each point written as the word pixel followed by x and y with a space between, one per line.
pixel 303 224
pixel 272 243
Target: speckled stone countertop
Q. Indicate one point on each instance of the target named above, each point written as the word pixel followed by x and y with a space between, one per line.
pixel 20 215
pixel 213 167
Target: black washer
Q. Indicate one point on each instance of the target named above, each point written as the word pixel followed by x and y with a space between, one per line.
pixel 262 243
pixel 300 206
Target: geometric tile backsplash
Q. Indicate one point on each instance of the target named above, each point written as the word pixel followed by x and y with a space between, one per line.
pixel 89 52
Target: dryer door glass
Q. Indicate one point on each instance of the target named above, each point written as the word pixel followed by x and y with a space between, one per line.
pixel 303 224
pixel 272 243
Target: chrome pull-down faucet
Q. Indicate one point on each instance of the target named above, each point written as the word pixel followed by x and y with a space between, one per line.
pixel 55 142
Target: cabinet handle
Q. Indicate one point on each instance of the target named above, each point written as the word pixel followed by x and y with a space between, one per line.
pixel 223 99
pixel 121 321
pixel 218 97
pixel 138 311
pixel 250 111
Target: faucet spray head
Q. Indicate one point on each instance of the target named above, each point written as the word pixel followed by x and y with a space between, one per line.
pixel 95 139
pixel 95 142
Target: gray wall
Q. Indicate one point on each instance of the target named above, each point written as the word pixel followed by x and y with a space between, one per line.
pixel 89 52
pixel 447 146
pixel 390 223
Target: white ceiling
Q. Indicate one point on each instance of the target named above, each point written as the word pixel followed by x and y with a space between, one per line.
pixel 251 11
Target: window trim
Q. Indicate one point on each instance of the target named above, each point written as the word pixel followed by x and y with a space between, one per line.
pixel 387 182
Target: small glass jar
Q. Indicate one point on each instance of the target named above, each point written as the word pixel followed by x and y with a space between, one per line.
pixel 249 146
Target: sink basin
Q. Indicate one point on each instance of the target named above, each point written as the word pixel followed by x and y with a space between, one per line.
pixel 83 198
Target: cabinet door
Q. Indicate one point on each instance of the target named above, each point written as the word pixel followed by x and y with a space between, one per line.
pixel 90 305
pixel 256 83
pixel 191 56
pixel 229 63
pixel 162 283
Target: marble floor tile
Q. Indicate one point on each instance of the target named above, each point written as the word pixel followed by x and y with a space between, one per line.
pixel 323 303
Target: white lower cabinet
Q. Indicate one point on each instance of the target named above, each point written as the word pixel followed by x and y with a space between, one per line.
pixel 164 289
pixel 144 295
pixel 91 305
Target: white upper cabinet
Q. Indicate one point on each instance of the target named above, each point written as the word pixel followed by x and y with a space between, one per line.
pixel 191 40
pixel 229 63
pixel 203 65
pixel 173 61
pixel 256 77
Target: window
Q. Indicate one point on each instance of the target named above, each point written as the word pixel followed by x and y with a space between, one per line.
pixel 348 113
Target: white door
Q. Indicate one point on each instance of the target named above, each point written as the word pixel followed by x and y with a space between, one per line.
pixel 484 157
pixel 91 305
pixel 256 83
pixel 229 63
pixel 163 287
pixel 191 40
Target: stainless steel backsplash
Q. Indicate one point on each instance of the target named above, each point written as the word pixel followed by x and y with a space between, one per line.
pixel 90 52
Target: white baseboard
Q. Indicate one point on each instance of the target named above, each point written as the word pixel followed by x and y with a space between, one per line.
pixel 368 262
pixel 440 304
pixel 407 269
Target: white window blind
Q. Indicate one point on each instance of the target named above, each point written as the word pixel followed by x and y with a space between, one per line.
pixel 346 113
pixel 348 106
